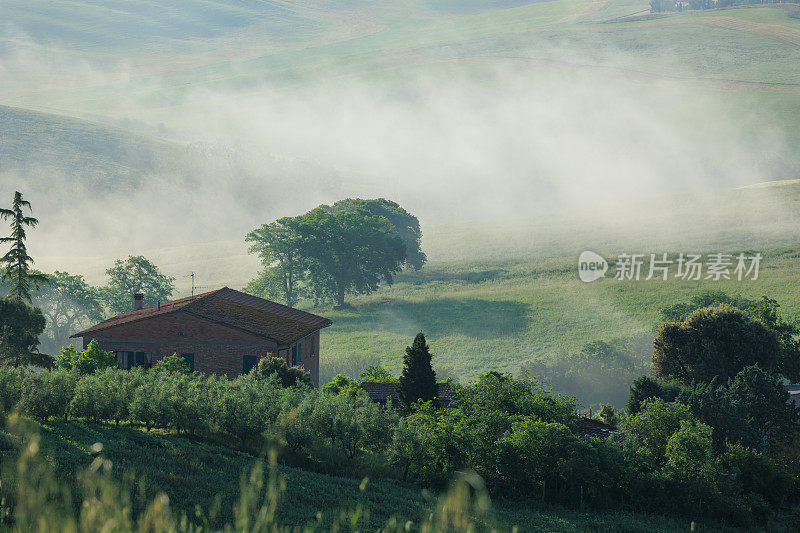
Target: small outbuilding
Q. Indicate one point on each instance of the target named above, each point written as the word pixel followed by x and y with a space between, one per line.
pixel 382 393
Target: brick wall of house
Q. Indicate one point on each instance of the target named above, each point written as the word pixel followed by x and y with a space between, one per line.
pixel 217 348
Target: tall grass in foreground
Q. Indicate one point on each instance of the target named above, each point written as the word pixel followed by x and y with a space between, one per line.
pixel 43 503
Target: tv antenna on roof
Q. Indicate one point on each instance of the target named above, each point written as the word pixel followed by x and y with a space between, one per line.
pixel 191 275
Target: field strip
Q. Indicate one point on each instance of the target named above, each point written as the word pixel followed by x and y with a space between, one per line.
pixel 588 9
pixel 774 31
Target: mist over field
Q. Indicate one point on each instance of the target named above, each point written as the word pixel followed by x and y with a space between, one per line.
pixel 473 139
pixel 519 133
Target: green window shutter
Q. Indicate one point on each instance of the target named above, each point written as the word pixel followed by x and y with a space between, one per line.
pixel 248 362
pixel 299 353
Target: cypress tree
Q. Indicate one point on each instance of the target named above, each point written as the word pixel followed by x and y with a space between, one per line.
pixel 418 380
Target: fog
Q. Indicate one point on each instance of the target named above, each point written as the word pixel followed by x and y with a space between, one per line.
pixel 464 142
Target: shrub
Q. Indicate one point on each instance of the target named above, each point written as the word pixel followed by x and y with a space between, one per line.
pixel 292 426
pixel 245 406
pixel 353 424
pixel 649 430
pixel 92 400
pixel 46 394
pixel 11 379
pixel 172 363
pixel 287 376
pixel 646 387
pixel 88 361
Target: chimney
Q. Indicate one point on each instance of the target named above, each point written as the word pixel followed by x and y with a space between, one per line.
pixel 138 300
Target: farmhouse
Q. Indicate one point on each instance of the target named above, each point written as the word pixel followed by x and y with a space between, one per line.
pixel 221 332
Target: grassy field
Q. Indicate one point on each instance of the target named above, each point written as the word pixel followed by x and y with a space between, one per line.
pixel 495 313
pixel 209 476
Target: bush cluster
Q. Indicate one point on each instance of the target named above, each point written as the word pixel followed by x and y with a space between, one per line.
pixel 513 432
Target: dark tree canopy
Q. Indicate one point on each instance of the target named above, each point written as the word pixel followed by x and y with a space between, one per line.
pixel 20 327
pixel 418 380
pixel 287 376
pixel 17 272
pixel 406 224
pixel 348 252
pixel 713 342
pixel 333 251
pixel 135 274
pixel 764 310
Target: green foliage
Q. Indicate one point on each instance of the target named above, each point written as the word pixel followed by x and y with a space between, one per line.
pixel 331 252
pixel 46 394
pixel 689 453
pixel 136 274
pixel 341 384
pixel 711 403
pixel 20 327
pixel 286 376
pixel 87 361
pixel 279 246
pixel 11 379
pixel 511 432
pixel 123 485
pixel 764 310
pixel 710 298
pixel 598 370
pixel 68 302
pixel 713 342
pixel 245 406
pixel 377 374
pixel 418 380
pixel 646 387
pixel 647 432
pixel 609 415
pixel 172 363
pixel 354 424
pixel 349 252
pixel 763 402
pixel 17 262
pixel 405 224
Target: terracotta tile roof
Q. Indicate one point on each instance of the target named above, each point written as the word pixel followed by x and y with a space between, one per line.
pixel 233 308
pixel 382 392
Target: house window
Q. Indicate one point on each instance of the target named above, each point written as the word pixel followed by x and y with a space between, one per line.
pixel 141 360
pixel 248 362
pixel 311 348
pixel 188 358
pixel 294 355
pixel 299 353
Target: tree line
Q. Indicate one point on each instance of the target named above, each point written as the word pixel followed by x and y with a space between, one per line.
pixel 677 448
pixel 330 252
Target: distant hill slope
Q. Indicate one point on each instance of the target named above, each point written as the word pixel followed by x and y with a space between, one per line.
pixel 98 153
